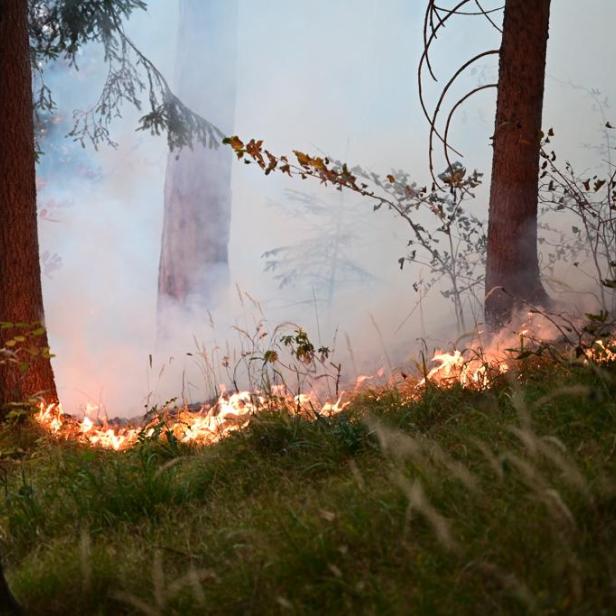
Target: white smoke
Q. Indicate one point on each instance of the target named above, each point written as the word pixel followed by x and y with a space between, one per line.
pixel 336 76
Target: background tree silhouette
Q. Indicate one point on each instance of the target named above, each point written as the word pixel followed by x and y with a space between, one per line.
pixel 194 260
pixel 31 35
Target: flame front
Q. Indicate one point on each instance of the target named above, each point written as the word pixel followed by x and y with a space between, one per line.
pixel 475 370
pixel 230 413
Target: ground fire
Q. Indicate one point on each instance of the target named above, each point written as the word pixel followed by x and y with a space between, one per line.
pixel 473 368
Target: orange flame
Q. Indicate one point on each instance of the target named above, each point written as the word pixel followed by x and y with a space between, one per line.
pixel 230 413
pixel 234 412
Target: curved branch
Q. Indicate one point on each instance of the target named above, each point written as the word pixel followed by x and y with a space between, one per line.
pixel 428 41
pixel 425 38
pixel 425 58
pixel 440 102
pixel 486 14
pixel 470 13
pixel 455 107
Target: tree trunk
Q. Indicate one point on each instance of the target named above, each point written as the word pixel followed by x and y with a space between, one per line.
pixel 8 603
pixel 194 262
pixel 21 297
pixel 512 269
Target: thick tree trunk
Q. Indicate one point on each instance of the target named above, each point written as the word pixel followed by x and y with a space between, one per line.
pixel 194 263
pixel 8 603
pixel 512 270
pixel 21 297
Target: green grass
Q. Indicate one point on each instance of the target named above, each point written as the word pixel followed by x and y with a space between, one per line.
pixel 501 502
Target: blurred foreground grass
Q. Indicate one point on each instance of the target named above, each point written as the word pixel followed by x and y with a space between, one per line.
pixel 463 502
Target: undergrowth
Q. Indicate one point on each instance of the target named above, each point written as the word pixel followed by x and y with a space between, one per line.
pixel 465 502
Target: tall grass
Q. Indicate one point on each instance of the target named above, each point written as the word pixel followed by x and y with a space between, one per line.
pixel 501 501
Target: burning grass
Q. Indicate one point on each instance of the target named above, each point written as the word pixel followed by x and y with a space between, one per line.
pixel 204 426
pixel 460 500
pixel 284 371
pixel 474 368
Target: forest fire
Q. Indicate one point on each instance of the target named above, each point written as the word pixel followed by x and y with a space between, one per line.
pixel 203 427
pixel 475 367
pixel 232 412
pixel 455 368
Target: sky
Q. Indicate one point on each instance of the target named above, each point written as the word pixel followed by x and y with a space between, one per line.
pixel 333 76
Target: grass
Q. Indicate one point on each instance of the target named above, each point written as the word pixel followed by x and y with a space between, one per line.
pixel 463 502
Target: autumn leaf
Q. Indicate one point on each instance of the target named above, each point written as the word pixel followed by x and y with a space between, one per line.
pixel 235 142
pixel 272 162
pixel 302 159
pixel 318 164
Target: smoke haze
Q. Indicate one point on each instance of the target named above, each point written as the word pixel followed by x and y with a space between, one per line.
pixel 337 76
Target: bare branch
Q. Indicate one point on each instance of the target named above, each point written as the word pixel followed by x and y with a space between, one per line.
pixel 486 14
pixel 455 107
pixel 437 109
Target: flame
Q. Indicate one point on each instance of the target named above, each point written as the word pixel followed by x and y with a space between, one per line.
pixel 210 424
pixel 472 369
pixel 454 367
pixel 600 353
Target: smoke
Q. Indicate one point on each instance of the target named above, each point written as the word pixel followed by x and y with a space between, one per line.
pixel 332 76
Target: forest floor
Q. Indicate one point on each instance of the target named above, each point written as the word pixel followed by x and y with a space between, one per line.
pixel 463 502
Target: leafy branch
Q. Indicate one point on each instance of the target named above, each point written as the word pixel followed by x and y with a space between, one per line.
pixel 460 259
pixel 60 29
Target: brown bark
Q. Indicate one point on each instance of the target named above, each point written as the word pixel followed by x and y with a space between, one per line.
pixel 194 261
pixel 512 269
pixel 8 603
pixel 21 297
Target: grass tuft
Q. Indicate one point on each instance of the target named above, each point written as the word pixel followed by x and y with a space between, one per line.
pixel 462 502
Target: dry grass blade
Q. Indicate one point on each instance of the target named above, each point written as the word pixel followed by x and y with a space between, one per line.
pixel 396 443
pixel 139 604
pixel 510 583
pixel 419 502
pixel 457 469
pixel 85 560
pixel 488 454
pixel 158 580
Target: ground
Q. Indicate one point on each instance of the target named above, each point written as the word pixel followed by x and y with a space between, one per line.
pixel 464 502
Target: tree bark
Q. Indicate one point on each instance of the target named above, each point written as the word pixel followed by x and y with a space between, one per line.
pixel 194 262
pixel 512 269
pixel 8 603
pixel 21 297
